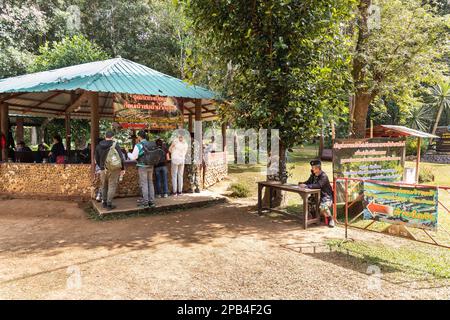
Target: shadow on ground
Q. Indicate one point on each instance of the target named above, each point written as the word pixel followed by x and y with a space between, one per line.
pixel 49 233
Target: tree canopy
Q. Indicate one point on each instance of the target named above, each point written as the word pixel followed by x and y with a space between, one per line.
pixel 399 44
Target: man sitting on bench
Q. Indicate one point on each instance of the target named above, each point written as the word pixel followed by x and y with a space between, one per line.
pixel 319 180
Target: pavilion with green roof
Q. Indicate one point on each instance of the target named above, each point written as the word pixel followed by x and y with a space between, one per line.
pixel 89 90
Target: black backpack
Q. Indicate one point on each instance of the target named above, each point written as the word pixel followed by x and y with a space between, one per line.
pixel 152 154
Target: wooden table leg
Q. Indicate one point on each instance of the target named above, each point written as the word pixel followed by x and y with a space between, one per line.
pixel 318 207
pixel 305 210
pixel 259 199
pixel 270 197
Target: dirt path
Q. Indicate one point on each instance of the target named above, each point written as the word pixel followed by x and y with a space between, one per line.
pixel 50 250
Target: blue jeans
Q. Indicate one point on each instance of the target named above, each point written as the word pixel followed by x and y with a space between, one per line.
pixel 161 180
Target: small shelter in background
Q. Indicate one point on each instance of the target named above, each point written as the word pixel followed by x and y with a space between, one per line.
pixel 90 91
pixel 394 131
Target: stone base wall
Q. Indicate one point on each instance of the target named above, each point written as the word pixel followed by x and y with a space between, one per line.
pixel 74 181
pixel 216 169
pixel 45 180
pixel 436 158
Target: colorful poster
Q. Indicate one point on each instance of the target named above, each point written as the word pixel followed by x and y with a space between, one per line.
pixel 146 112
pixel 410 206
pixel 374 159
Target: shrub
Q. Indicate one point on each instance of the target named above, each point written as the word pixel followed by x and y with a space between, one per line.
pixel 239 190
pixel 426 175
pixel 411 146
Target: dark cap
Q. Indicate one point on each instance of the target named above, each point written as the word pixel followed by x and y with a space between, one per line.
pixel 109 134
pixel 315 163
pixel 142 134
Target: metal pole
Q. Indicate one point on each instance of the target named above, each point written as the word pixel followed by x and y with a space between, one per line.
pixel 419 140
pixel 346 208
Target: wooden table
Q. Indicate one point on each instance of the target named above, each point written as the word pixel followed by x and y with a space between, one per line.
pixel 303 192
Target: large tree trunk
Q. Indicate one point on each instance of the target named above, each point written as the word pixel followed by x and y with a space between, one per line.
pixel 438 118
pixel 362 102
pixel 361 99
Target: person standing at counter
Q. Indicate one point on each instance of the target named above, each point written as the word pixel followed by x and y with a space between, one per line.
pixel 57 152
pixel 145 172
pixel 161 172
pixel 178 151
pixel 110 159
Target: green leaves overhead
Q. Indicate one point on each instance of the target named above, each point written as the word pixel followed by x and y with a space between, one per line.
pixel 289 61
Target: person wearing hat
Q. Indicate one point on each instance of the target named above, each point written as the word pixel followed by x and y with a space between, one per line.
pixel 319 180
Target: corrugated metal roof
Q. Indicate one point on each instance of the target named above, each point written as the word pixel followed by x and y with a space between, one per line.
pixel 387 129
pixel 114 75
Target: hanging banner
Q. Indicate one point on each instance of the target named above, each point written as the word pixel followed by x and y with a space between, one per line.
pixel 409 206
pixel 146 112
pixel 374 159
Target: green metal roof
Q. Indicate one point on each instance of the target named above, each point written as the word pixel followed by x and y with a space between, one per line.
pixel 50 93
pixel 114 76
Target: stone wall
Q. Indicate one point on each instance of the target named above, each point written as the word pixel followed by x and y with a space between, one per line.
pixel 45 180
pixel 73 181
pixel 216 168
pixel 436 158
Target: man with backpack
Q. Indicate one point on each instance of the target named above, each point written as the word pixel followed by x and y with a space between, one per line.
pixel 147 155
pixel 110 159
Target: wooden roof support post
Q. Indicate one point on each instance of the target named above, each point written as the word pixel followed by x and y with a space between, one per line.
pixel 181 104
pixel 198 136
pixel 68 133
pixel 190 123
pixel 95 127
pixel 224 136
pixel 419 141
pixel 19 129
pixel 4 127
pixel 73 99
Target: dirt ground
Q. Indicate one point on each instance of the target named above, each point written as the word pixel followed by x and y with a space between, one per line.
pixel 51 250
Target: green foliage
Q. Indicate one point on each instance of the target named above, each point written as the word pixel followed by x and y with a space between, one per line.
pixel 21 28
pixel 239 190
pixel 418 260
pixel 411 146
pixel 70 51
pixel 420 118
pixel 426 174
pixel 282 64
pixel 439 99
pixel 403 52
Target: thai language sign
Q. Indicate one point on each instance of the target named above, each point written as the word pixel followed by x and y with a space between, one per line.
pixel 410 206
pixel 374 159
pixel 146 112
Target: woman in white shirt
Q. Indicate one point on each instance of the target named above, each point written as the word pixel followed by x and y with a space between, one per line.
pixel 178 151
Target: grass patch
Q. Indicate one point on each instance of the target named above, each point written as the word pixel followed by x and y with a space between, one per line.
pixel 417 260
pixel 239 190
